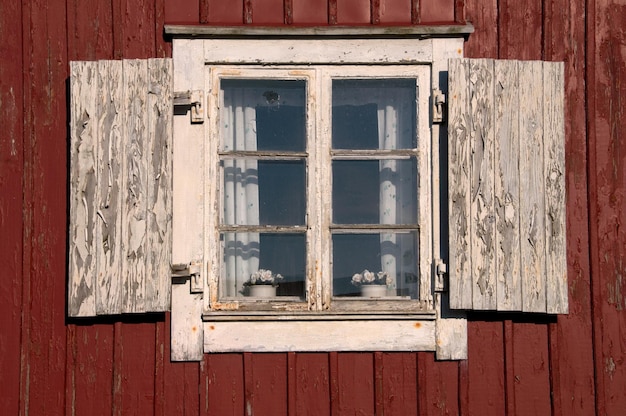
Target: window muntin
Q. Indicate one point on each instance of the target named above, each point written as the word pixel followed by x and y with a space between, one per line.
pixel 330 231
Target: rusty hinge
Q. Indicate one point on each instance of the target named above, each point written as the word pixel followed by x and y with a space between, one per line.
pixel 441 269
pixel 193 100
pixel 439 101
pixel 193 271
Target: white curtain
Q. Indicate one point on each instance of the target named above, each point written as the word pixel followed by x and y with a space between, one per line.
pixel 241 190
pixel 396 130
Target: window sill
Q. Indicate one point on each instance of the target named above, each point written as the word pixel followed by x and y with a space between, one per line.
pixel 416 334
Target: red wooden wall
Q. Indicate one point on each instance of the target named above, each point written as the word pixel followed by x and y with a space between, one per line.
pixel 517 365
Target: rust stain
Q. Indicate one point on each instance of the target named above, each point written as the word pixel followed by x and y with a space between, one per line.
pixel 417 325
pixel 212 327
pixel 194 328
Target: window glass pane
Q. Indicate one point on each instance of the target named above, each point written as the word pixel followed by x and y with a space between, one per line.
pixel 375 191
pixel 263 115
pixel 264 192
pixel 388 258
pixel 247 255
pixel 374 114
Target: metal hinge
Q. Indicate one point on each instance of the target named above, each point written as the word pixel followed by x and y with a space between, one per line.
pixel 193 100
pixel 193 271
pixel 441 269
pixel 439 101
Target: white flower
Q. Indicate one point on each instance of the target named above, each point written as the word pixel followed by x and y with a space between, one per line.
pixel 368 277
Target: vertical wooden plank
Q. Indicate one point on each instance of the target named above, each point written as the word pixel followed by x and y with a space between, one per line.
pixel 12 207
pixel 190 12
pixel 86 40
pixel 310 12
pixel 159 179
pixel 352 12
pixel 482 208
pixel 396 383
pixel 45 234
pixel 438 385
pixel 226 384
pixel 571 337
pixel 554 153
pixel 459 148
pixel 354 369
pixel 530 370
pixel 483 43
pixel 532 191
pixel 137 365
pixel 83 180
pixel 267 12
pixel 440 11
pixel 135 183
pixel 607 167
pixel 395 11
pixel 108 227
pixel 91 363
pixel 266 391
pixel 519 36
pixel 486 371
pixel 310 392
pixel 137 22
pixel 507 187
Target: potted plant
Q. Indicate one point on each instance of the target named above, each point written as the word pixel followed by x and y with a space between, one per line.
pixel 373 285
pixel 263 283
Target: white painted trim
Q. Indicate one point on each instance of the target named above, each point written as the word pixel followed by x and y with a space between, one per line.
pixel 317 51
pixel 281 336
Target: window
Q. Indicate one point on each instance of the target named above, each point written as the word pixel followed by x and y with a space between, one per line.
pixel 319 188
pixel 316 161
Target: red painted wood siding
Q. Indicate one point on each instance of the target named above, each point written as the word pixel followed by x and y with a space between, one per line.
pixel 517 364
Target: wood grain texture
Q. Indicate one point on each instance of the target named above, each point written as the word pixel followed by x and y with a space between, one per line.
pixel 571 336
pixel 121 181
pixel 82 262
pixel 12 207
pixel 310 12
pixel 507 187
pixel 309 381
pixel 482 204
pixel 459 171
pixel 607 163
pixel 532 189
pixel 108 202
pixel 498 241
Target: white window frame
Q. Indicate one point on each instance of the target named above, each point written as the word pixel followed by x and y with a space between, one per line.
pixel 353 329
pixel 318 277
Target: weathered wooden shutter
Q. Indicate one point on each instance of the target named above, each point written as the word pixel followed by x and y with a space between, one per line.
pixel 506 172
pixel 120 187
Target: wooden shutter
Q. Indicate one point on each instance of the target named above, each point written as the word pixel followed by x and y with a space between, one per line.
pixel 120 187
pixel 506 170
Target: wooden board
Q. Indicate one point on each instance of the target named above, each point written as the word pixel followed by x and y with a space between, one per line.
pixel 120 204
pixel 505 190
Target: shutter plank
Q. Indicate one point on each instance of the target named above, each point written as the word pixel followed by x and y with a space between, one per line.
pixel 83 159
pixel 509 285
pixel 459 186
pixel 482 220
pixel 108 225
pixel 527 260
pixel 159 209
pixel 120 187
pixel 532 191
pixel 554 145
pixel 134 208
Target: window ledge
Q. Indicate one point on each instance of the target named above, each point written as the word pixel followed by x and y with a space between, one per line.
pixel 316 316
pixel 320 335
pixel 419 32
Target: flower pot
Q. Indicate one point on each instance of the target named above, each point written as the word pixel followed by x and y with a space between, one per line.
pixel 373 291
pixel 263 291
